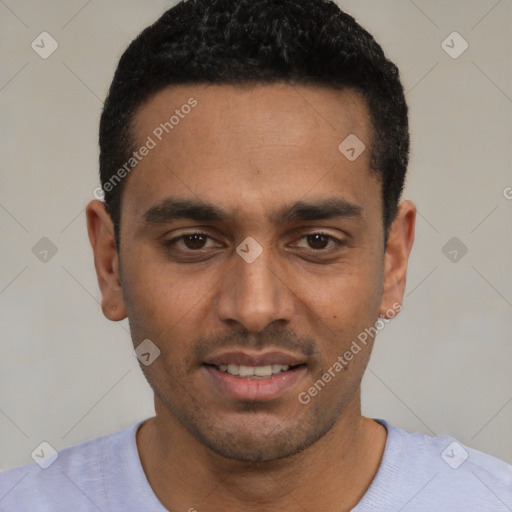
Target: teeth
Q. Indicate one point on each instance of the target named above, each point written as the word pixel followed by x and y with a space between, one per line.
pixel 233 369
pixel 245 371
pixel 253 372
pixel 263 371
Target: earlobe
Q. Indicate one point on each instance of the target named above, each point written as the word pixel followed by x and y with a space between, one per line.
pixel 106 260
pixel 400 241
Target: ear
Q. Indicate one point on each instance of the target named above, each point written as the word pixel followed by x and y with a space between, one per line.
pixel 106 260
pixel 400 240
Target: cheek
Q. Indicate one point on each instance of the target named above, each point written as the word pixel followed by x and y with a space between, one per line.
pixel 344 295
pixel 338 308
pixel 159 300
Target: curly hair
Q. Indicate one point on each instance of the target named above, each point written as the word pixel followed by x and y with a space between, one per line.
pixel 308 42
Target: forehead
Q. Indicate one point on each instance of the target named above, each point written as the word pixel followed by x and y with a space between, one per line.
pixel 271 114
pixel 263 144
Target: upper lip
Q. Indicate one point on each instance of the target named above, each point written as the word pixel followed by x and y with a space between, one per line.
pixel 255 358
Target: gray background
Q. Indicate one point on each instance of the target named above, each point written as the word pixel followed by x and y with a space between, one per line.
pixel 443 366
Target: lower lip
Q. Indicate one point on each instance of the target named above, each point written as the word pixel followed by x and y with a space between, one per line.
pixel 255 390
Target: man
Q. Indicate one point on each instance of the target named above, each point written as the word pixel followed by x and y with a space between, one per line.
pixel 253 155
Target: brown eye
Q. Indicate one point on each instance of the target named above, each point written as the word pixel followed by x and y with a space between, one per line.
pixel 195 241
pixel 318 241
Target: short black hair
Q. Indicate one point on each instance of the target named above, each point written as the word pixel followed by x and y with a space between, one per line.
pixel 308 42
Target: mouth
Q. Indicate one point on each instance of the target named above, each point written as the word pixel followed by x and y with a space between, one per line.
pixel 254 372
pixel 255 377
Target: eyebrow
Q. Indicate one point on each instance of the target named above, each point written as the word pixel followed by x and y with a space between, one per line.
pixel 174 209
pixel 317 210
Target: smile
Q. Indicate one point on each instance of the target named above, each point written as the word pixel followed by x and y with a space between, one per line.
pixel 261 383
pixel 253 372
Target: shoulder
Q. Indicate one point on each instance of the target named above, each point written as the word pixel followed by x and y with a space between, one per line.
pixel 75 474
pixel 420 472
pixel 452 458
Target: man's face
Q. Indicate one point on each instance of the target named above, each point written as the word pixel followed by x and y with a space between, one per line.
pixel 257 169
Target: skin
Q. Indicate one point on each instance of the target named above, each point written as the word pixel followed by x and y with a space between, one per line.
pixel 253 152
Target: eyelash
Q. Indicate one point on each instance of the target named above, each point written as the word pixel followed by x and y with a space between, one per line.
pixel 171 243
pixel 337 242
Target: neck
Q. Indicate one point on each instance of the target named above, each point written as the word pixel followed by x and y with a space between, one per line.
pixel 331 474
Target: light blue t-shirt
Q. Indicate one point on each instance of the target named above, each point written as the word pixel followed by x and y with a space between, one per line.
pixel 418 473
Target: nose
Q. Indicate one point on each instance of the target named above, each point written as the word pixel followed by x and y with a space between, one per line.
pixel 255 294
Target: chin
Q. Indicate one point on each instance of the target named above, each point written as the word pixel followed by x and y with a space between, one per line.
pixel 256 448
pixel 258 441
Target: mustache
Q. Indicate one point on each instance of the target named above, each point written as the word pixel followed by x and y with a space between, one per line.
pixel 271 337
